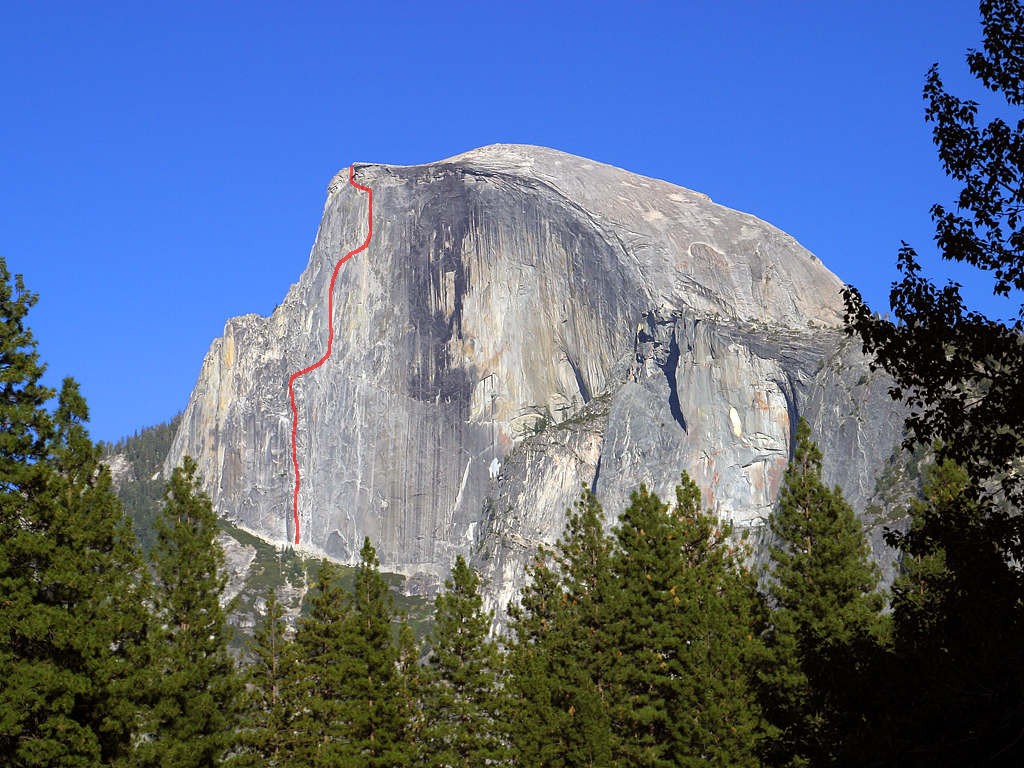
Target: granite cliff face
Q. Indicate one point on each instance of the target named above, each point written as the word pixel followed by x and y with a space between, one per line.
pixel 526 322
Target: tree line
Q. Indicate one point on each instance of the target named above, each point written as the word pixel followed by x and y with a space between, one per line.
pixel 647 645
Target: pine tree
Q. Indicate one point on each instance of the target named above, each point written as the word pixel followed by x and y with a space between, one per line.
pixel 81 620
pixel 352 707
pixel 827 627
pixel 25 430
pixel 26 426
pixel 583 557
pixel 412 682
pixel 540 721
pixel 375 720
pixel 685 628
pixel 141 492
pixel 103 586
pixel 72 613
pixel 318 679
pixel 463 708
pixel 196 687
pixel 561 654
pixel 265 735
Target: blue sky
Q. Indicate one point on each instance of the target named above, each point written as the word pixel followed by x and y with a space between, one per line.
pixel 163 166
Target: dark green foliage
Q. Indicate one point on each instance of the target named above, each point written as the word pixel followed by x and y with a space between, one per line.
pixel 411 682
pixel 351 708
pixel 264 737
pixel 541 680
pixel 957 369
pixel 463 709
pixel 583 557
pixel 24 438
pixel 319 677
pixel 561 655
pixel 827 627
pixel 75 607
pixel 72 615
pixel 685 626
pixel 288 571
pixel 374 717
pixel 639 650
pixel 347 700
pixel 195 686
pixel 26 427
pixel 146 448
pixel 102 583
pixel 958 668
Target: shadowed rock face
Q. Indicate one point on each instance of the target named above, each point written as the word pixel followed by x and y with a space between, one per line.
pixel 507 289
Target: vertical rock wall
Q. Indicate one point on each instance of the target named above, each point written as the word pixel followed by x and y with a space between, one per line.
pixel 514 288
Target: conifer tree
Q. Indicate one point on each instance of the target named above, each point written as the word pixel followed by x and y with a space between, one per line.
pixel 412 682
pixel 265 735
pixel 83 620
pixel 583 557
pixel 536 660
pixel 374 716
pixel 97 577
pixel 561 654
pixel 318 679
pixel 26 425
pixel 685 628
pixel 196 688
pixel 25 430
pixel 72 615
pixel 463 708
pixel 827 627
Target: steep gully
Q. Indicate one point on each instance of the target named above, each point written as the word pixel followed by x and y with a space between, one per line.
pixel 330 343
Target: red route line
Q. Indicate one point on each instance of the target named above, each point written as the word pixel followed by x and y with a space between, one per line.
pixel 330 343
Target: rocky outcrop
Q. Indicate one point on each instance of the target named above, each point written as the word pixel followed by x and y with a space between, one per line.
pixel 526 322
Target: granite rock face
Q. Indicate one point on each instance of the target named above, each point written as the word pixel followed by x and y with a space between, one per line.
pixel 526 322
